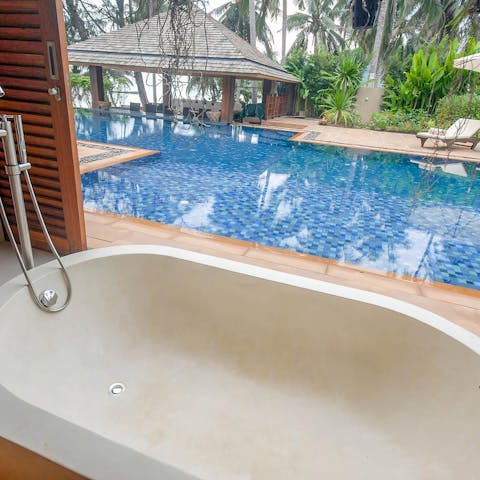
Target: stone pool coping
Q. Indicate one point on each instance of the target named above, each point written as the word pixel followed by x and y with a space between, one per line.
pixel 95 155
pixel 458 304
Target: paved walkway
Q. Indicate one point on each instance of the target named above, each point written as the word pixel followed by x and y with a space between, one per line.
pixel 310 131
pixel 457 304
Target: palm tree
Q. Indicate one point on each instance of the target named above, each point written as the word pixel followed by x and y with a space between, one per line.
pixel 284 30
pixel 235 14
pixel 375 65
pixel 318 23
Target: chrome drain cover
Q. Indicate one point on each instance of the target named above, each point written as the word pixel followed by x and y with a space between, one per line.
pixel 116 388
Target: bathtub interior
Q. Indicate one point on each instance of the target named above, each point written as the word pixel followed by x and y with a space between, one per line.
pixel 236 377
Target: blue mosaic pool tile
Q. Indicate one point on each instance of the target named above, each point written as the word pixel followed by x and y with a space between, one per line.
pixel 373 209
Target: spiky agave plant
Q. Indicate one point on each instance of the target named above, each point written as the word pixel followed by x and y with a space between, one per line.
pixel 337 106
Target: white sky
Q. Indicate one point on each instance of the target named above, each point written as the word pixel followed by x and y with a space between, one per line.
pixel 275 25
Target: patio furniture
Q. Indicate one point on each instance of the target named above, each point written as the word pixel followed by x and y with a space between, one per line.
pixel 464 130
pixel 134 107
pixel 213 116
pixel 253 113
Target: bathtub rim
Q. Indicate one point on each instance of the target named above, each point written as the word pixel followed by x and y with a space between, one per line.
pixel 14 287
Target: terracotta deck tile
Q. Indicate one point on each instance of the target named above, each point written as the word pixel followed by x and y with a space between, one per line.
pixel 93 242
pixel 106 231
pixel 99 217
pixel 156 231
pixel 379 283
pixel 287 258
pixel 208 244
pixel 459 296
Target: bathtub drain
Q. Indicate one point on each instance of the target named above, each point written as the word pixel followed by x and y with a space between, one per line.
pixel 116 388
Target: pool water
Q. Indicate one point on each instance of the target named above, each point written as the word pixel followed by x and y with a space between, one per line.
pixel 378 210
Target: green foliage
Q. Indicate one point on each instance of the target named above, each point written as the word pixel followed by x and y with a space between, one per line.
pixel 80 86
pixel 323 73
pixel 402 121
pixel 114 82
pixel 338 106
pixel 348 70
pixel 453 107
pixel 430 77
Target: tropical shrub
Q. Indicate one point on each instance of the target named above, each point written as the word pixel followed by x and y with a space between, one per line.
pixel 310 70
pixel 430 77
pixel 399 121
pixel 338 107
pixel 453 107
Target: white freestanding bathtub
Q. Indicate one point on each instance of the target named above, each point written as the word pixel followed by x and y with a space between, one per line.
pixel 234 372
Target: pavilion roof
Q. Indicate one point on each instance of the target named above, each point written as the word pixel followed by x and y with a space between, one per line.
pixel 207 48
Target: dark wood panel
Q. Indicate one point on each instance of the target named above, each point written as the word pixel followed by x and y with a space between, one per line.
pixel 19 19
pixel 64 126
pixel 38 130
pixel 25 83
pixel 24 71
pixel 14 58
pixel 32 119
pixel 49 164
pixel 13 33
pixel 47 196
pixel 28 95
pixel 40 141
pixel 21 46
pixel 20 107
pixel 44 153
pixel 48 123
pixel 17 6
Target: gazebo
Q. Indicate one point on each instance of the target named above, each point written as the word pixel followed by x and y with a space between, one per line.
pixel 212 50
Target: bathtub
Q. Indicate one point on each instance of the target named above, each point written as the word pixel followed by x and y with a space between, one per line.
pixel 234 372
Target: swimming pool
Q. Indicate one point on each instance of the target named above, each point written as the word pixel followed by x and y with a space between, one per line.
pixel 374 209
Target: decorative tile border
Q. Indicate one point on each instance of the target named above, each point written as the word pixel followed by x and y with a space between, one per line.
pixel 95 156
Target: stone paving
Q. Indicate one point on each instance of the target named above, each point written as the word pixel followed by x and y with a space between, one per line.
pixel 309 130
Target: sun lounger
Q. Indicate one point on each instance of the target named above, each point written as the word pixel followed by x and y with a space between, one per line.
pixel 462 131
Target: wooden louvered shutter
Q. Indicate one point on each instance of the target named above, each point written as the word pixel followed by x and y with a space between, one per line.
pixel 31 31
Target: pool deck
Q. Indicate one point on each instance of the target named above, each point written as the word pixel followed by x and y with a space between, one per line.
pixel 309 131
pixel 457 304
pixel 95 155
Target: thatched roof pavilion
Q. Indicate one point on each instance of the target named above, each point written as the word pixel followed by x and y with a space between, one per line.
pixel 210 49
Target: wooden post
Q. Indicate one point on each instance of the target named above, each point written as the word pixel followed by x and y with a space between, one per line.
pixel 267 88
pixel 96 86
pixel 228 99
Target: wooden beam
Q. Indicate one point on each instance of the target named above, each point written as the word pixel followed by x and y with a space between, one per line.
pixel 53 30
pixel 228 99
pixel 96 86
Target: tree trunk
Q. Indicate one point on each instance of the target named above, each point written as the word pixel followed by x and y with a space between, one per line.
pixel 284 31
pixel 375 69
pixel 142 92
pixel 77 21
pixel 253 42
